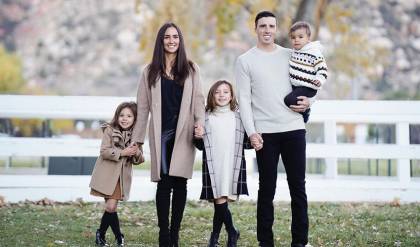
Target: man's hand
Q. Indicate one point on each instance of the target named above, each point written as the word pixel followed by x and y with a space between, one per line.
pixel 256 141
pixel 198 131
pixel 302 104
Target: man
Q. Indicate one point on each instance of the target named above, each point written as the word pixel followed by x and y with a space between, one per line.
pixel 262 76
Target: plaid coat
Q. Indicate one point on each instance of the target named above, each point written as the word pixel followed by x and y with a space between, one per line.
pixel 239 186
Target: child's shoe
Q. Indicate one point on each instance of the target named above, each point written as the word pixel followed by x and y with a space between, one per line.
pixel 306 115
pixel 233 238
pixel 120 240
pixel 214 240
pixel 100 239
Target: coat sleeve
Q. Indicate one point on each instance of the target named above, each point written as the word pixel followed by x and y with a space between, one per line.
pixel 199 143
pixel 143 109
pixel 198 97
pixel 247 142
pixel 108 151
pixel 138 159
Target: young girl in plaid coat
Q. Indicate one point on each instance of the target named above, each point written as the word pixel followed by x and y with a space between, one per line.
pixel 224 170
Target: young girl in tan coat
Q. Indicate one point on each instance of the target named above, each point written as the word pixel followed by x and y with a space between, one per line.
pixel 111 177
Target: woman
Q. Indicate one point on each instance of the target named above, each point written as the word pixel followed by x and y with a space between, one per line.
pixel 170 90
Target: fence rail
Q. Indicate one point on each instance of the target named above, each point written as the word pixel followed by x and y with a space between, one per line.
pixel 328 112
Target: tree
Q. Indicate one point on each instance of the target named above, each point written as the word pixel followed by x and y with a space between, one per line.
pixel 217 27
pixel 205 23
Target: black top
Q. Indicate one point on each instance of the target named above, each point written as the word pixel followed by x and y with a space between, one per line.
pixel 171 93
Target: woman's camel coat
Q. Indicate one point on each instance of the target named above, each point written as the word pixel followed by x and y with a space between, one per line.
pixel 191 112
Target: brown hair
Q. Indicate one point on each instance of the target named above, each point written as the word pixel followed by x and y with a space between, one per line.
pixel 211 104
pixel 301 24
pixel 130 105
pixel 182 66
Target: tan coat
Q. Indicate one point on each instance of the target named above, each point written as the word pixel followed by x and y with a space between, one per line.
pixel 110 166
pixel 191 112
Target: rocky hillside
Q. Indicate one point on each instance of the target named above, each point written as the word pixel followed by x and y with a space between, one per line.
pixel 90 47
pixel 396 25
pixel 79 47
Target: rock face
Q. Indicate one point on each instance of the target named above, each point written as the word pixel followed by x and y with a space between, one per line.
pixel 80 47
pixel 91 47
pixel 398 25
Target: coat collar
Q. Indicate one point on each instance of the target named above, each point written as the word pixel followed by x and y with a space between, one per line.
pixel 120 138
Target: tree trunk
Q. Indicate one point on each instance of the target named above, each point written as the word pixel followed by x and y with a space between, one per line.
pixel 312 11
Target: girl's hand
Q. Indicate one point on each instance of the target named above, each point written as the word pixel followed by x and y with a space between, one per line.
pixel 198 131
pixel 138 151
pixel 130 150
pixel 256 141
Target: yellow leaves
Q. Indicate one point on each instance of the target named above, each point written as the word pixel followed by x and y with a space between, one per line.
pixel 203 23
pixel 269 5
pixel 256 6
pixel 181 12
pixel 61 126
pixel 225 14
pixel 337 18
pixel 27 127
pixel 10 72
pixel 355 56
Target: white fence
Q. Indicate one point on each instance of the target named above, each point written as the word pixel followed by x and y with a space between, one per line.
pixel 328 112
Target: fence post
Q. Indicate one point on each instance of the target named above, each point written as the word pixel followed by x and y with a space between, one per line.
pixel 7 162
pixel 403 165
pixel 330 136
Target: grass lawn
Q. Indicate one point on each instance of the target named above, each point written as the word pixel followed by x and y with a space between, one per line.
pixel 343 224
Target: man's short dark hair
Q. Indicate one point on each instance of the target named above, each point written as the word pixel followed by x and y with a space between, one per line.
pixel 262 14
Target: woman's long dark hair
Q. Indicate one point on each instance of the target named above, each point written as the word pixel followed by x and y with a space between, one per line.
pixel 182 66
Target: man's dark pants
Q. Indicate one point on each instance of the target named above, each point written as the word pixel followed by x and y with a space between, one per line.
pixel 292 147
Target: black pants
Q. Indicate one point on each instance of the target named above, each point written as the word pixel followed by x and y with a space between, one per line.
pixel 292 147
pixel 291 98
pixel 178 187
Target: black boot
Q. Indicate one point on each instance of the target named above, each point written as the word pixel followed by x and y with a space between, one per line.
pixel 100 239
pixel 233 237
pixel 120 240
pixel 179 198
pixel 162 208
pixel 163 239
pixel 214 240
pixel 174 239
